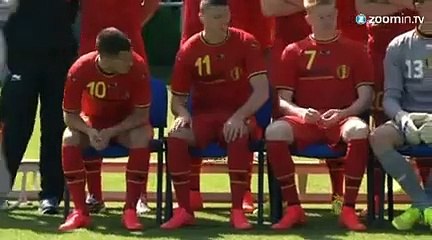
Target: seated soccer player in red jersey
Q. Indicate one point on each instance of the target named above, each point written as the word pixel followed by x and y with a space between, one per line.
pixel 379 36
pixel 115 89
pixel 128 16
pixel 247 16
pixel 341 88
pixel 223 68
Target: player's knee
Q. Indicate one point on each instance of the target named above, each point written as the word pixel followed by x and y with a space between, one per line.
pixel 356 129
pixel 139 137
pixel 71 137
pixel 383 138
pixel 279 131
pixel 181 133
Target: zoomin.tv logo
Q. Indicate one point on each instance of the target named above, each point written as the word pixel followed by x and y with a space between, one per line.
pixel 362 19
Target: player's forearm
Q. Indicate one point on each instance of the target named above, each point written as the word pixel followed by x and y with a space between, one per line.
pixel 178 106
pixel 391 104
pixel 149 9
pixel 255 101
pixel 74 121
pixel 277 8
pixel 363 102
pixel 139 117
pixel 376 9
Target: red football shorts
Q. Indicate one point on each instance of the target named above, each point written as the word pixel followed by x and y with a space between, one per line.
pixel 307 134
pixel 208 128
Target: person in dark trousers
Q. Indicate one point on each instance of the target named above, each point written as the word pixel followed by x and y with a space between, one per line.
pixel 40 47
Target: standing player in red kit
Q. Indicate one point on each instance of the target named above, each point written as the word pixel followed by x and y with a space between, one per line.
pixel 379 36
pixel 322 92
pixel 224 70
pixel 114 84
pixel 247 16
pixel 128 16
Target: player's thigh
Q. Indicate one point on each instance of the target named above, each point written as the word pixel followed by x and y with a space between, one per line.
pixel 354 128
pixel 136 138
pixel 207 128
pixel 72 137
pixel 291 129
pixel 386 137
pixel 184 133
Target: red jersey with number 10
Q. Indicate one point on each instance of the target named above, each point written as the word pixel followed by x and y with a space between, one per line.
pixel 324 75
pixel 109 98
pixel 217 76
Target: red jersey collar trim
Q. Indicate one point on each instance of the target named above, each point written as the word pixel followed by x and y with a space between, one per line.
pixel 331 40
pixel 203 40
pixel 98 68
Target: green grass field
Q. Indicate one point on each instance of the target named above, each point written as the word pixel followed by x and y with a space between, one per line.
pixel 27 224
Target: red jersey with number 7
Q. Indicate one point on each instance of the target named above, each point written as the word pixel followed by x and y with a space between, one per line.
pixel 109 98
pixel 218 75
pixel 324 75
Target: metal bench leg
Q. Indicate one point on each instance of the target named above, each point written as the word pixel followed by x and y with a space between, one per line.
pixel 260 187
pixel 302 182
pixel 159 183
pixel 390 199
pixel 370 190
pixel 168 191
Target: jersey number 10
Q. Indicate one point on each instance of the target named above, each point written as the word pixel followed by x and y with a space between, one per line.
pixel 97 89
pixel 203 65
pixel 414 68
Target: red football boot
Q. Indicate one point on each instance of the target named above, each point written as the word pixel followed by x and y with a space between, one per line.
pixel 294 215
pixel 180 218
pixel 77 219
pixel 131 221
pixel 238 220
pixel 349 219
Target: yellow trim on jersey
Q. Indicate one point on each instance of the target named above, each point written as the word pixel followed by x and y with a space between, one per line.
pixel 203 40
pixel 317 78
pixel 331 40
pixel 143 106
pixel 257 73
pixel 179 93
pixel 364 83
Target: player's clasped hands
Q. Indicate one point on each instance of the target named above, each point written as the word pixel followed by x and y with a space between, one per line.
pixel 311 116
pixel 181 121
pixel 331 117
pixel 95 139
pixel 234 128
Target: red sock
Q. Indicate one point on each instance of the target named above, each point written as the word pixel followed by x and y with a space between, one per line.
pixel 73 168
pixel 195 173
pixel 238 168
pixel 336 176
pixel 424 169
pixel 179 167
pixel 355 166
pixel 136 175
pixel 283 168
pixel 94 177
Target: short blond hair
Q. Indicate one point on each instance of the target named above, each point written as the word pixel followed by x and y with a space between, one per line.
pixel 308 4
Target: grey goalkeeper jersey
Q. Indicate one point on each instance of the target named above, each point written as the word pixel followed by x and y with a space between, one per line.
pixel 408 74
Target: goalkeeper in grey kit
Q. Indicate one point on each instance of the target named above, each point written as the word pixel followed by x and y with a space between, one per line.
pixel 408 101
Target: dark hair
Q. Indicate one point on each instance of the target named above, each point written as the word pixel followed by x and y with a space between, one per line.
pixel 208 3
pixel 111 41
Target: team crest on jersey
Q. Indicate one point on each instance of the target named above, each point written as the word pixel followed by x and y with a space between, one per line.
pixel 343 72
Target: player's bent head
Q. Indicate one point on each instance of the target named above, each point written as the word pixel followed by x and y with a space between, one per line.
pixel 321 14
pixel 115 50
pixel 424 8
pixel 215 14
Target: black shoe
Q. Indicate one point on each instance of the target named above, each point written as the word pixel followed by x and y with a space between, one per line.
pixel 95 206
pixel 49 206
pixel 4 204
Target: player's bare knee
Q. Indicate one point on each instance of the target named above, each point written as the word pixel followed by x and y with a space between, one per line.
pixel 355 129
pixel 138 137
pixel 71 137
pixel 279 131
pixel 183 133
pixel 384 138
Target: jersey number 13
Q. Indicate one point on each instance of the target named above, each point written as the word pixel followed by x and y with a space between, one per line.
pixel 414 68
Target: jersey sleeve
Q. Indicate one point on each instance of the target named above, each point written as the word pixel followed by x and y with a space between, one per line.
pixel 141 89
pixel 285 74
pixel 74 88
pixel 182 74
pixel 255 63
pixel 363 73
